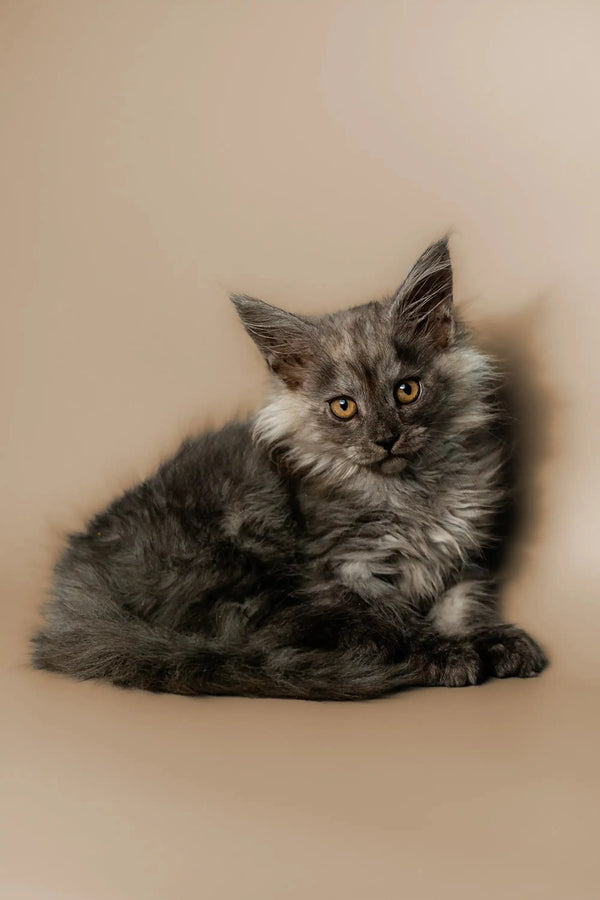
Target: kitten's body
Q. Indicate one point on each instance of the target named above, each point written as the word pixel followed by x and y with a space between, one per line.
pixel 287 556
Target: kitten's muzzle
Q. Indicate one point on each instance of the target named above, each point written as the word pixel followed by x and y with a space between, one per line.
pixel 388 442
pixel 392 465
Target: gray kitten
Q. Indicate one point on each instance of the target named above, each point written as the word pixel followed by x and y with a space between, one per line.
pixel 335 547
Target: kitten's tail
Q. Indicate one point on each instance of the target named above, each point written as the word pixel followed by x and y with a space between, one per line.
pixel 132 653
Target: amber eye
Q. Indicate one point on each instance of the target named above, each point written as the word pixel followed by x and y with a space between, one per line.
pixel 408 391
pixel 343 407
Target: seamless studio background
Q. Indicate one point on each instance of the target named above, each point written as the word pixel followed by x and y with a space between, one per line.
pixel 156 156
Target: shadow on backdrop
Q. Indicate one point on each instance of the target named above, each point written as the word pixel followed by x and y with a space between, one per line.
pixel 526 402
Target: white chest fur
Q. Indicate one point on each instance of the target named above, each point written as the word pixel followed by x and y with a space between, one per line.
pixel 404 543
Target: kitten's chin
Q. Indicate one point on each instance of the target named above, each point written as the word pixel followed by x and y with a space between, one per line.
pixel 392 465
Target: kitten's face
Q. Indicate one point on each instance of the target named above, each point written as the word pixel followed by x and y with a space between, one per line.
pixel 374 388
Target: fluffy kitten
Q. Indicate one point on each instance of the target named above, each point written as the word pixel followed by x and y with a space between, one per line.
pixel 334 547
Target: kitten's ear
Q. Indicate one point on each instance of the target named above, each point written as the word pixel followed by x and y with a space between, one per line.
pixel 287 342
pixel 422 305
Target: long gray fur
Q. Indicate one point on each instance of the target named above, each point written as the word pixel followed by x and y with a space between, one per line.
pixel 293 555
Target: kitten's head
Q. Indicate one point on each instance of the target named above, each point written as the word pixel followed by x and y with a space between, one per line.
pixel 375 388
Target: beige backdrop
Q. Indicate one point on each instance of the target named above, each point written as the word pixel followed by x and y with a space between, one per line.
pixel 156 155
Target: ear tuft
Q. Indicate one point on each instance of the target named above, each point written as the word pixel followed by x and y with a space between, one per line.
pixel 423 302
pixel 286 341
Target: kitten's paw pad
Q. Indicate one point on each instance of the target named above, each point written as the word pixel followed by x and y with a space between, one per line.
pixel 511 653
pixel 456 664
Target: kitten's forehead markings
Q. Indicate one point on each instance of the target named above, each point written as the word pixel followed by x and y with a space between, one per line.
pixel 358 349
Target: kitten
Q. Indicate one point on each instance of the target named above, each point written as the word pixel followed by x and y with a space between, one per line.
pixel 334 547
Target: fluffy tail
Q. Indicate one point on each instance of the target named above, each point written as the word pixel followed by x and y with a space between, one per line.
pixel 132 653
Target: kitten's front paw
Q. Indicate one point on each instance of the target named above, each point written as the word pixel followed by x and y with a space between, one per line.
pixel 451 663
pixel 509 652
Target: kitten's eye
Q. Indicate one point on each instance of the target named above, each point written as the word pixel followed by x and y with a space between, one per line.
pixel 408 391
pixel 343 407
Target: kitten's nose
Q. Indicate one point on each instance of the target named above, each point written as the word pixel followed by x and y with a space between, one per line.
pixel 388 442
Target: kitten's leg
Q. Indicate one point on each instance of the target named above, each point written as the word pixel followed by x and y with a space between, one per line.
pixel 466 619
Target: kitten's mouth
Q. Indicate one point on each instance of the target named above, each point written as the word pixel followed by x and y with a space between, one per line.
pixel 391 465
